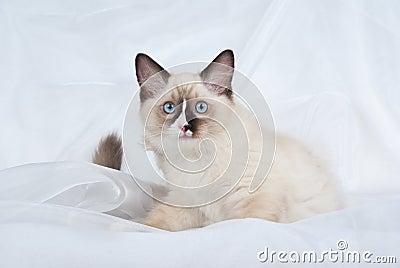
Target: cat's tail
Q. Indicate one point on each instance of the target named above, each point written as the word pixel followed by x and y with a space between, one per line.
pixel 109 152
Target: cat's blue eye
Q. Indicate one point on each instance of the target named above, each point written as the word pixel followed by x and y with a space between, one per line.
pixel 169 107
pixel 201 107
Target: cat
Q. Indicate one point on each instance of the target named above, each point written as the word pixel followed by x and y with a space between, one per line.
pixel 298 185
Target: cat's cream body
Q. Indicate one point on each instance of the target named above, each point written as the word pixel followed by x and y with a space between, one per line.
pixel 298 185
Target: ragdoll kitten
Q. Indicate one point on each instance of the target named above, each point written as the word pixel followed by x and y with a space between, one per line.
pixel 297 186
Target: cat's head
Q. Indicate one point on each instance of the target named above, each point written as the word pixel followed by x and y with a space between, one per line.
pixel 183 107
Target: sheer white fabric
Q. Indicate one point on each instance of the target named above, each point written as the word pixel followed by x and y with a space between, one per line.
pixel 329 69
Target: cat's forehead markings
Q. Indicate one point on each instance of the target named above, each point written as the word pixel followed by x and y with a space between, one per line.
pixel 184 105
pixel 183 92
pixel 177 94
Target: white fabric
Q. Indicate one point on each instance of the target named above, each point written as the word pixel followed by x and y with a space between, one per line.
pixel 329 69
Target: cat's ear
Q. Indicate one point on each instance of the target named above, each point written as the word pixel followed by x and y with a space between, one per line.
pixel 219 73
pixel 146 67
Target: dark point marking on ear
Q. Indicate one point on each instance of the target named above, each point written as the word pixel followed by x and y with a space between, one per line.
pixel 218 75
pixel 147 68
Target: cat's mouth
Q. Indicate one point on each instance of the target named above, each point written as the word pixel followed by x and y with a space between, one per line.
pixel 185 134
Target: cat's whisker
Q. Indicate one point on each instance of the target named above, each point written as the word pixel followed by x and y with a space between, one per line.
pixel 152 135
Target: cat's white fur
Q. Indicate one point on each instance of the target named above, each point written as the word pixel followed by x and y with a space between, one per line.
pixel 298 185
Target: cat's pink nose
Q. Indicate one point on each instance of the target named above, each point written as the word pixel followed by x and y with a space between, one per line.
pixel 185 127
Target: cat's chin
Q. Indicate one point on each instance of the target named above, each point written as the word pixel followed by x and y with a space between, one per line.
pixel 185 135
pixel 186 138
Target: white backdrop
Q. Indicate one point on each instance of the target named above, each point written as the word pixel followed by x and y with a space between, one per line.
pixel 329 69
